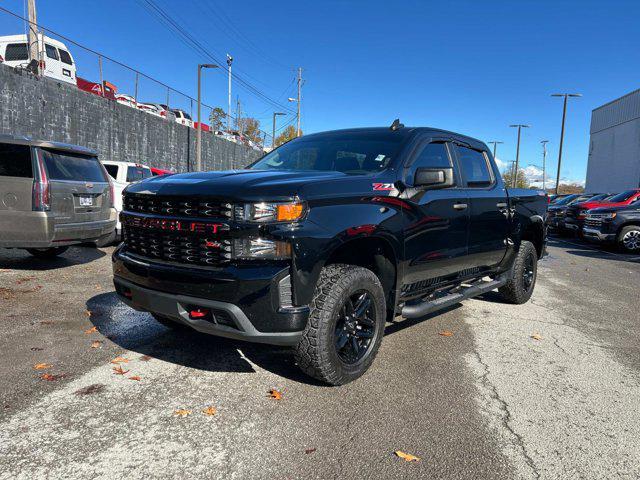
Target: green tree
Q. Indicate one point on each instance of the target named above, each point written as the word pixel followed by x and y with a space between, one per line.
pixel 217 119
pixel 287 134
pixel 521 179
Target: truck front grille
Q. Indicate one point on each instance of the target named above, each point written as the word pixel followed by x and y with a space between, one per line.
pixel 179 247
pixel 176 206
pixel 593 222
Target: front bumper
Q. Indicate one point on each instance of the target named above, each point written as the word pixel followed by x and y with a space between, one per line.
pixel 244 301
pixel 594 234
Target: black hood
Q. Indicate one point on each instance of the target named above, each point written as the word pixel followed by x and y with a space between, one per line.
pixel 248 185
pixel 635 206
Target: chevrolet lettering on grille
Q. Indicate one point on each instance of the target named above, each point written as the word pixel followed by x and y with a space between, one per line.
pixel 174 225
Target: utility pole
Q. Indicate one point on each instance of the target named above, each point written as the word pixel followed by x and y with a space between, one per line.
pixel 273 132
pixel 519 126
pixel 199 131
pixel 564 116
pixel 229 62
pixel 544 164
pixel 495 144
pixel 239 116
pixel 514 174
pixel 34 52
pixel 298 100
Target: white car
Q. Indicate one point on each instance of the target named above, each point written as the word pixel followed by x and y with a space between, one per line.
pixel 127 100
pixel 151 109
pixel 182 117
pixel 124 173
pixel 56 61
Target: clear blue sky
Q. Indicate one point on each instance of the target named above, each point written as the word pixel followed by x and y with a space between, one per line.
pixel 469 66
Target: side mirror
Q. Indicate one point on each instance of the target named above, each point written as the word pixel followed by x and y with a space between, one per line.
pixel 433 178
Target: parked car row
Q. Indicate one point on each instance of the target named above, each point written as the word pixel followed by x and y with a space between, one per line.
pixel 602 217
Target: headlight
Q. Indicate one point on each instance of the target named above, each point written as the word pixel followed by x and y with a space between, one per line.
pixel 265 212
pixel 259 248
pixel 609 216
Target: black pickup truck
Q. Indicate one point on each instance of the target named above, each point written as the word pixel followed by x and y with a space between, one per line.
pixel 326 238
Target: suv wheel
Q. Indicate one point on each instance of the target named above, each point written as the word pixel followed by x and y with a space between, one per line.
pixel 522 276
pixel 629 238
pixel 47 252
pixel 345 327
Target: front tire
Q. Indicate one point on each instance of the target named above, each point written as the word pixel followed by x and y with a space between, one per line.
pixel 345 327
pixel 629 239
pixel 522 276
pixel 47 253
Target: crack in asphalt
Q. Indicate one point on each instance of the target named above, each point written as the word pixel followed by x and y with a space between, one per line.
pixel 506 417
pixel 555 342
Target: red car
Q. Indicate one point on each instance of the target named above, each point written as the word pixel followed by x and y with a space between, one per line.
pixel 159 171
pixel 107 90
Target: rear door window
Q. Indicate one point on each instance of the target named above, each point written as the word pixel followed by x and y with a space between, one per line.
pixel 52 52
pixel 16 51
pixel 73 167
pixel 135 174
pixel 65 57
pixel 15 161
pixel 474 167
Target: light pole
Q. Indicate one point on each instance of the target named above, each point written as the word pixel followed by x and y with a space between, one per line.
pixel 229 62
pixel 564 116
pixel 273 136
pixel 495 143
pixel 199 131
pixel 544 164
pixel 519 126
pixel 298 100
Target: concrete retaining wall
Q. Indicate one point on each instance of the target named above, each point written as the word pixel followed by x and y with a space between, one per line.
pixel 45 109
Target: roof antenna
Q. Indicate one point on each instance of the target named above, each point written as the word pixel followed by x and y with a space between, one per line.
pixel 396 125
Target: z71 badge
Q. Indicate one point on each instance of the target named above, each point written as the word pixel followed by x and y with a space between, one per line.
pixel 383 187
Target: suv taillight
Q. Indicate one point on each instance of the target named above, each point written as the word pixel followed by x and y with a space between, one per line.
pixel 1 59
pixel 41 192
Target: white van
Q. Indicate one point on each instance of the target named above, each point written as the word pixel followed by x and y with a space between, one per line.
pixel 55 58
pixel 122 174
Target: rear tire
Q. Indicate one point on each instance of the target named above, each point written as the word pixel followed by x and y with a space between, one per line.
pixel 345 327
pixel 522 276
pixel 47 253
pixel 169 323
pixel 629 239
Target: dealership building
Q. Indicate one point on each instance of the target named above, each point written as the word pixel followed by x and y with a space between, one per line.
pixel 614 147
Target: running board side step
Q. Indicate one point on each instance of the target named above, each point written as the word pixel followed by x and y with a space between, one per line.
pixel 421 309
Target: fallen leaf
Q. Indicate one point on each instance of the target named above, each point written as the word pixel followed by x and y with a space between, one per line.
pixel 36 349
pixel 119 360
pixel 46 322
pixel 182 412
pixel 119 371
pixel 406 456
pixel 52 378
pixel 145 358
pixel 536 336
pixel 210 411
pixel 42 366
pixel 91 330
pixel 135 377
pixel 446 333
pixel 310 450
pixel 87 313
pixel 96 344
pixel 90 389
pixel 275 394
pixel 22 280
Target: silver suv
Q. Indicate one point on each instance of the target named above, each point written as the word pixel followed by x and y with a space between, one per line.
pixel 52 195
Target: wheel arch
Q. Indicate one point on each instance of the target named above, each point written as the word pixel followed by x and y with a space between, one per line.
pixel 534 232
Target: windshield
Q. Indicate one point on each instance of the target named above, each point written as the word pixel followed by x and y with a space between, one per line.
pixel 599 197
pixel 349 152
pixel 621 197
pixel 565 200
pixel 578 199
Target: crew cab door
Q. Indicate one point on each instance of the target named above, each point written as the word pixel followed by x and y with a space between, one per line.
pixel 436 220
pixel 489 209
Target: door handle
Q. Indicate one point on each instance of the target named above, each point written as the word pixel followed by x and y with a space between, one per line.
pixel 501 205
pixel 459 206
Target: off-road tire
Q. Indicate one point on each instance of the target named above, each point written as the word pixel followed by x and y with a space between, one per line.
pixel 47 253
pixel 621 238
pixel 316 352
pixel 169 323
pixel 515 291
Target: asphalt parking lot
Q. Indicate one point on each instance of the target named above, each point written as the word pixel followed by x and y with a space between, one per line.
pixel 546 390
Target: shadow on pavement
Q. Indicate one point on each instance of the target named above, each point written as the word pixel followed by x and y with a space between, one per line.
pixel 18 259
pixel 592 250
pixel 139 332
